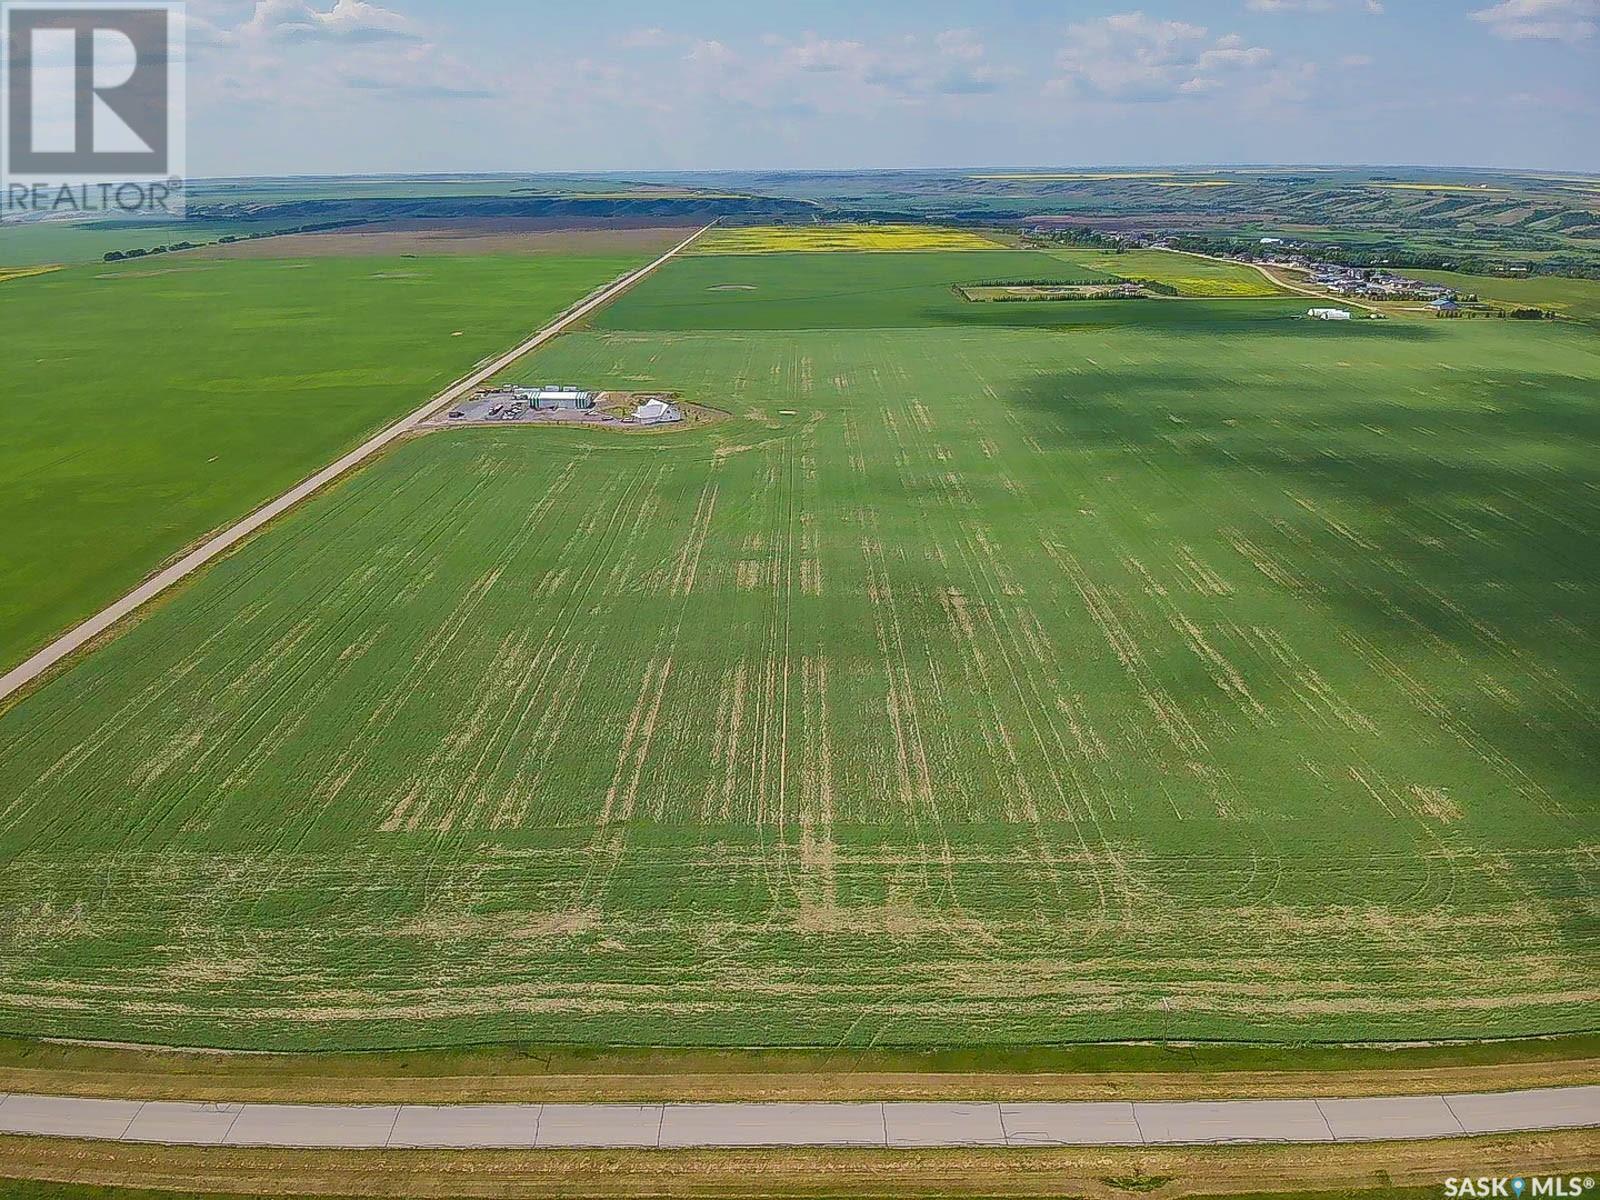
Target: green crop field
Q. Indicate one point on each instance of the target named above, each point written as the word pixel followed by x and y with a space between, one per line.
pixel 144 404
pixel 1191 672
pixel 39 242
pixel 841 290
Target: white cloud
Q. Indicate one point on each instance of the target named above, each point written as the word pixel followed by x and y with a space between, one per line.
pixel 352 45
pixel 1284 86
pixel 1131 57
pixel 200 32
pixel 710 53
pixel 1231 53
pixel 823 55
pixel 961 66
pixel 1282 6
pixel 1552 20
pixel 951 63
pixel 646 39
pixel 418 71
pixel 959 43
pixel 346 21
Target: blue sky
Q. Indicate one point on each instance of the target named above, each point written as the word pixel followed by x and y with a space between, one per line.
pixel 309 86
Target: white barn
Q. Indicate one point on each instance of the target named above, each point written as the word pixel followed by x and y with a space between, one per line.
pixel 656 411
pixel 1329 314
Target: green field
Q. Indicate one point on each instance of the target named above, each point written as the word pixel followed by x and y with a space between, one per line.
pixel 1184 672
pixel 1576 299
pixel 841 290
pixel 145 404
pixel 40 242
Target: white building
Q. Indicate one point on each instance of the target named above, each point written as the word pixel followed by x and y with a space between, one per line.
pixel 656 411
pixel 569 398
pixel 1329 314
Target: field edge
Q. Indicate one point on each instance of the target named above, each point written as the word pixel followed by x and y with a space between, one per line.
pixel 514 1072
pixel 1354 1170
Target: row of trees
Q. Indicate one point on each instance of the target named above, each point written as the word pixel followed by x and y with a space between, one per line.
pixel 226 239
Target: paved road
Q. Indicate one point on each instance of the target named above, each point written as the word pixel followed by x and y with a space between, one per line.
pixel 219 544
pixel 885 1125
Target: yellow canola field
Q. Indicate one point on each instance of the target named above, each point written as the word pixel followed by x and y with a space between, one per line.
pixel 9 273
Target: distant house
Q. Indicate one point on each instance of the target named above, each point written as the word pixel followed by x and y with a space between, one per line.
pixel 1445 306
pixel 1272 241
pixel 1329 314
pixel 656 411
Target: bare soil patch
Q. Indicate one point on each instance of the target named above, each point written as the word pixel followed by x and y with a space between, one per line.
pixel 147 274
pixel 612 410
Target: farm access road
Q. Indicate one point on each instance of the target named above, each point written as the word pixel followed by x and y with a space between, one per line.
pixel 886 1125
pixel 218 544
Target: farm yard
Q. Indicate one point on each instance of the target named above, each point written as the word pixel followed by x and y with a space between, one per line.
pixel 148 402
pixel 1573 299
pixel 1085 671
pixel 1189 275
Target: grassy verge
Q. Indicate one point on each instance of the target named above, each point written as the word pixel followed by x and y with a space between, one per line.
pixel 575 1073
pixel 24 1189
pixel 1403 1169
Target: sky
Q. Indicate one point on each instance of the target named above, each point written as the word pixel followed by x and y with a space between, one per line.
pixel 357 86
